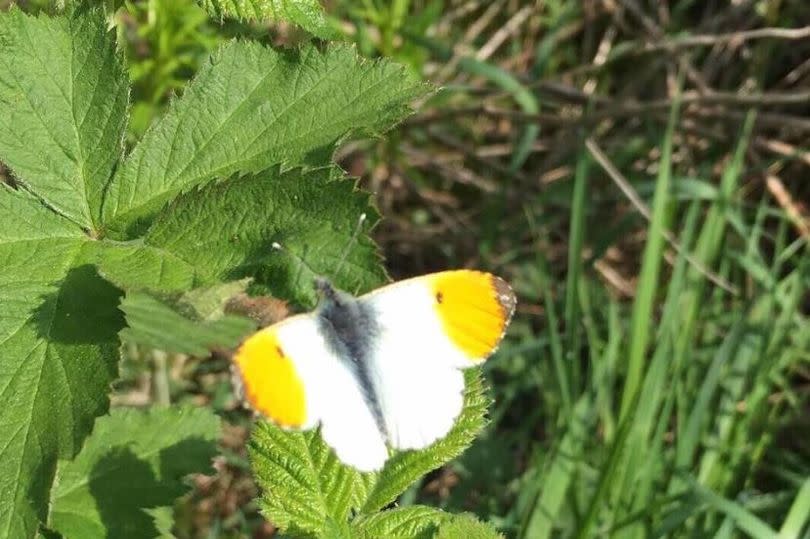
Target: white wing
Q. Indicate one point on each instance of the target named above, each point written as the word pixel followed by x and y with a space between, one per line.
pixel 429 328
pixel 330 392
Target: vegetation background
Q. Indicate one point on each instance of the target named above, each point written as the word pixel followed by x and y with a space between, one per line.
pixel 638 170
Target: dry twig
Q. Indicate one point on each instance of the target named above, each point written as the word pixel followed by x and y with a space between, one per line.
pixel 622 183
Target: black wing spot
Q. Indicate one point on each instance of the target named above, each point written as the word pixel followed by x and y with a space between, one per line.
pixel 439 297
pixel 280 351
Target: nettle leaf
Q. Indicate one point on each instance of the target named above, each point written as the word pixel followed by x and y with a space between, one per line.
pixel 251 107
pixel 414 522
pixel 225 230
pixel 63 101
pixel 134 460
pixel 405 467
pixel 58 329
pixel 308 14
pixel 153 323
pixel 307 489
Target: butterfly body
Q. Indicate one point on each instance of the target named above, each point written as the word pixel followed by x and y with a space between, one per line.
pixel 379 370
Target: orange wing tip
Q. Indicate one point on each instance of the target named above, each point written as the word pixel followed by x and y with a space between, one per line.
pixel 475 308
pixel 269 381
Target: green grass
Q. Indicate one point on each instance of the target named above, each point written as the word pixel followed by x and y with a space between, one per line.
pixel 656 415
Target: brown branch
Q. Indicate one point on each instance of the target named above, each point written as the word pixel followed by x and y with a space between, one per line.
pixel 734 38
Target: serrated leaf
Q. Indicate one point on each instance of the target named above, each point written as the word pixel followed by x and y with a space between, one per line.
pixel 414 522
pixel 134 460
pixel 306 489
pixel 153 323
pixel 308 14
pixel 63 101
pixel 226 230
pixel 251 107
pixel 467 526
pixel 405 467
pixel 135 266
pixel 304 483
pixel 163 518
pixel 58 331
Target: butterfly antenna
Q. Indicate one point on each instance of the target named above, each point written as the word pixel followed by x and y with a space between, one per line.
pixel 278 247
pixel 351 242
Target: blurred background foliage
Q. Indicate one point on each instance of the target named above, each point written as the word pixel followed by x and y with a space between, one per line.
pixel 639 171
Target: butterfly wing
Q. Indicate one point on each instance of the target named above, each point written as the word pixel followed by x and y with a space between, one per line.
pixel 289 374
pixel 429 328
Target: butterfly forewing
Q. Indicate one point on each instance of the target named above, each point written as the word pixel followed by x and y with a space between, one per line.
pixel 428 328
pixel 291 376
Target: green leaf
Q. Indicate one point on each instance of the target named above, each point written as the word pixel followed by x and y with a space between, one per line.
pixel 556 480
pixel 467 526
pixel 134 460
pixel 308 14
pixel 305 485
pixel 135 266
pixel 163 517
pixel 63 94
pixel 58 330
pixel 208 302
pixel 405 467
pixel 417 521
pixel 798 515
pixel 226 230
pixel 746 521
pixel 251 107
pixel 63 100
pixel 153 323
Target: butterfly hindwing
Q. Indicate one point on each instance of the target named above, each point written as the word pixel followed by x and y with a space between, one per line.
pixel 427 328
pixel 290 375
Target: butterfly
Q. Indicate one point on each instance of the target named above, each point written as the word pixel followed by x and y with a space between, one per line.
pixel 379 370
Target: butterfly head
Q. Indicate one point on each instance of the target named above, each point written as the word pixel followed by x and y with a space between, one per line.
pixel 329 295
pixel 324 287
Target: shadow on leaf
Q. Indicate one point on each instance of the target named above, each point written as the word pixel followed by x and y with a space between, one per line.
pixel 83 310
pixel 123 485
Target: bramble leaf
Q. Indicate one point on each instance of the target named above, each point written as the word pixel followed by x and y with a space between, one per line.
pixel 225 230
pixel 467 526
pixel 209 302
pixel 160 222
pixel 414 522
pixel 305 485
pixel 58 330
pixel 308 14
pixel 152 323
pixel 251 107
pixel 63 102
pixel 307 489
pixel 134 460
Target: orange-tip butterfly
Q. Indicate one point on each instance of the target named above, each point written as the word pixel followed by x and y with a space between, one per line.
pixel 380 370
